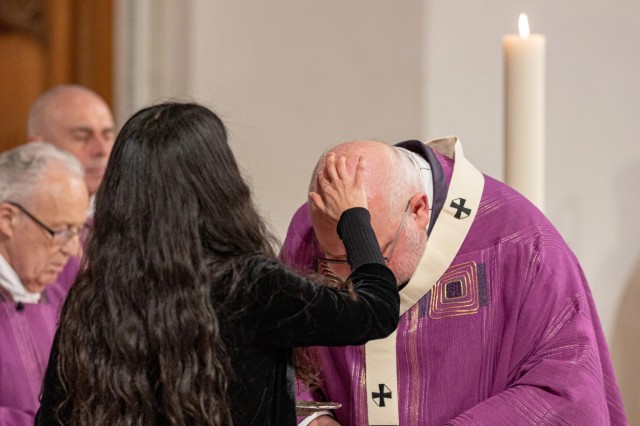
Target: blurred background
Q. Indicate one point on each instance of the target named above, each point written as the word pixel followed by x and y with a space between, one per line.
pixel 293 77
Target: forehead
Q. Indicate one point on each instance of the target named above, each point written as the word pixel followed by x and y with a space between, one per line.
pixel 78 108
pixel 60 198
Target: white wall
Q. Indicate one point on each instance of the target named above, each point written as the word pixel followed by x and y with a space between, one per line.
pixel 292 77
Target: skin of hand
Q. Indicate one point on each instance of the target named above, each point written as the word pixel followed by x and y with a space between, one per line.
pixel 324 421
pixel 338 189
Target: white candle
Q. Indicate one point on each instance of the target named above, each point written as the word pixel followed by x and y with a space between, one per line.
pixel 524 63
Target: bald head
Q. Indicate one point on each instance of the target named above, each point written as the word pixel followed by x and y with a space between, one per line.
pixel 390 178
pixel 77 120
pixel 395 188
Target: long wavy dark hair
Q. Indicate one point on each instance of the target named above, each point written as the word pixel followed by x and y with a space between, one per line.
pixel 140 340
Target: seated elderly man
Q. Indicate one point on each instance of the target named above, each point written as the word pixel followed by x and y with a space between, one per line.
pixel 43 205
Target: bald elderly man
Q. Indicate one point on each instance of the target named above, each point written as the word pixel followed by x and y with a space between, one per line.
pixel 497 326
pixel 75 119
pixel 43 207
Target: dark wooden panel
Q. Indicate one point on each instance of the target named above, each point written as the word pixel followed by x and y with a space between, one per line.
pixel 93 47
pixel 23 65
pixel 22 78
pixel 48 42
pixel 59 19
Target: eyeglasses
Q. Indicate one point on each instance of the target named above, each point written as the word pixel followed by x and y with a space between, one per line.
pixel 337 269
pixel 57 237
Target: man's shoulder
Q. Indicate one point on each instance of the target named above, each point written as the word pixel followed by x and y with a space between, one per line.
pixel 300 225
pixel 507 217
pixel 296 250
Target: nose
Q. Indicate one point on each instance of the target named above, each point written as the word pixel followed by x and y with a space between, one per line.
pixel 71 247
pixel 100 146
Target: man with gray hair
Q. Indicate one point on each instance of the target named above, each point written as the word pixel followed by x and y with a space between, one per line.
pixel 43 207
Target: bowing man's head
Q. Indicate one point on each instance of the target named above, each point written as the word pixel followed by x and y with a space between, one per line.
pixel 397 203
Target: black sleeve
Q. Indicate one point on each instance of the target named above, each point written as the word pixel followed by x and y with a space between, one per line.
pixel 297 311
pixel 355 231
pixel 52 392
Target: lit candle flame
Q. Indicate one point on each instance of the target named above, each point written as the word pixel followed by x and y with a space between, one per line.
pixel 523 25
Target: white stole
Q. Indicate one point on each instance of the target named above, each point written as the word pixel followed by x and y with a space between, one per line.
pixel 447 236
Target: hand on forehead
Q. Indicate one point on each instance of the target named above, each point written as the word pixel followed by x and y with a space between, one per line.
pixel 376 154
pixel 337 188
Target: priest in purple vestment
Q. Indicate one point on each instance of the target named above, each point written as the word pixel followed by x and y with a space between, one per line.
pixel 498 325
pixel 43 207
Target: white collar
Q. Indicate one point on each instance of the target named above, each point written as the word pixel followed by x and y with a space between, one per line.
pixel 92 206
pixel 10 281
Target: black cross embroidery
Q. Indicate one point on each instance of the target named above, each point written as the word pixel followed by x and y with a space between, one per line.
pixel 382 394
pixel 458 204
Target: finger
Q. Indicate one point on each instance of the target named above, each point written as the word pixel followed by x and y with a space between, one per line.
pixel 359 178
pixel 323 182
pixel 341 167
pixel 330 167
pixel 316 199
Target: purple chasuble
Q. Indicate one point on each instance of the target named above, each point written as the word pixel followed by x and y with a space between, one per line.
pixel 26 335
pixel 509 335
pixel 67 276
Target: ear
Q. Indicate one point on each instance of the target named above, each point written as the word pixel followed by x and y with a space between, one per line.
pixel 35 138
pixel 419 210
pixel 6 220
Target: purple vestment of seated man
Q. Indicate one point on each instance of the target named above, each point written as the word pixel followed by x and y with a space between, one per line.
pixel 26 335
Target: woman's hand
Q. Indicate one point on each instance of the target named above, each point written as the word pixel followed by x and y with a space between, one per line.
pixel 337 189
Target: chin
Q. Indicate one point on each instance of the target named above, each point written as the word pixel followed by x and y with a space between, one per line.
pixel 37 288
pixel 93 180
pixel 93 185
pixel 42 283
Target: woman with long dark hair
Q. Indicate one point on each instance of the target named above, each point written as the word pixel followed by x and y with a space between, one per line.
pixel 181 314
